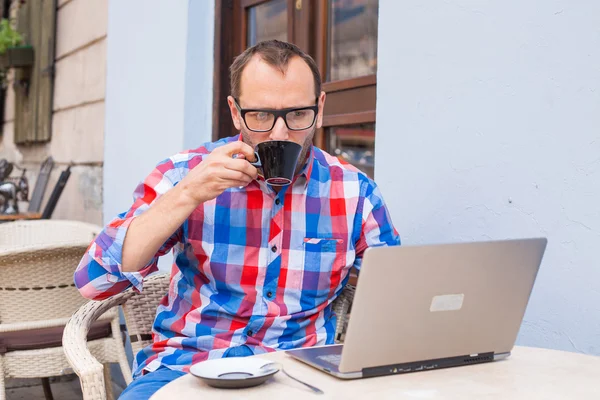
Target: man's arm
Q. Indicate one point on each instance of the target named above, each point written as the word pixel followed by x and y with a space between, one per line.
pixel 377 228
pixel 128 248
pixel 162 219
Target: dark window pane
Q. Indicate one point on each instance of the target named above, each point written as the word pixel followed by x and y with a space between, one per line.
pixel 267 21
pixel 352 38
pixel 354 144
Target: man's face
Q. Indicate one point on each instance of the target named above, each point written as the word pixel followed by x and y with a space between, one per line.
pixel 265 87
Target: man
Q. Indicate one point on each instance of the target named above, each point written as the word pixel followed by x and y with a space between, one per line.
pixel 256 267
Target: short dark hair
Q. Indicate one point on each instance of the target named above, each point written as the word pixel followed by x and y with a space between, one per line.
pixel 275 53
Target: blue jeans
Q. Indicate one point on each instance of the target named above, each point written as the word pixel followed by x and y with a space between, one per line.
pixel 146 385
pixel 143 387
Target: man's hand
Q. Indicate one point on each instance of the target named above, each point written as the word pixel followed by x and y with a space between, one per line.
pixel 220 171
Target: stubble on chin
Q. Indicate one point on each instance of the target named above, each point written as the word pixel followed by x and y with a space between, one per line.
pixel 305 150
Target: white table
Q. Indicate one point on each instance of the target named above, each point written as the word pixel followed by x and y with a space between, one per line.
pixel 529 373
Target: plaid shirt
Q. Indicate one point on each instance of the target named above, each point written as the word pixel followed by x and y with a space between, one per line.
pixel 252 267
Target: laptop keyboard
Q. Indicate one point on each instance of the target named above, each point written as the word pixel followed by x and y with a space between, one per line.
pixel 334 359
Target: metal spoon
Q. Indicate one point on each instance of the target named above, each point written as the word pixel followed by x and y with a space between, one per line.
pixel 278 366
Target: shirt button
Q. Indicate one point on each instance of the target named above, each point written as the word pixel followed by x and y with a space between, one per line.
pixel 274 249
pixel 277 201
pixel 250 333
pixel 269 294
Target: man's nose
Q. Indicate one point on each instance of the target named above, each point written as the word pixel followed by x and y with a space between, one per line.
pixel 279 131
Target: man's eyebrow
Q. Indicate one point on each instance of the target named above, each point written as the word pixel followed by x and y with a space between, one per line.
pixel 271 108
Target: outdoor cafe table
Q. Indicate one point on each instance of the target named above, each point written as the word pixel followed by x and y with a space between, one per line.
pixel 529 373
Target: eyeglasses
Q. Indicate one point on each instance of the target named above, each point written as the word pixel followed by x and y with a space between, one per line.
pixel 296 119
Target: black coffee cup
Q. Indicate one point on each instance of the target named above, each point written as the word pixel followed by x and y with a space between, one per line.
pixel 277 159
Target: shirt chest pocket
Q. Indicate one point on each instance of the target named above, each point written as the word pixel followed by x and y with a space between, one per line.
pixel 324 264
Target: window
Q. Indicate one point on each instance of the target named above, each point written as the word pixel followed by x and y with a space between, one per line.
pixel 352 39
pixel 267 21
pixel 354 144
pixel 341 35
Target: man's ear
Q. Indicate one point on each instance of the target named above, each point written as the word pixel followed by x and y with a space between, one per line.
pixel 235 114
pixel 321 108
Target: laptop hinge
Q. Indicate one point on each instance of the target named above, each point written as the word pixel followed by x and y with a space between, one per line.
pixel 429 364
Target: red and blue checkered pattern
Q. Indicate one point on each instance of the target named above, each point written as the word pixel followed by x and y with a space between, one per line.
pixel 252 267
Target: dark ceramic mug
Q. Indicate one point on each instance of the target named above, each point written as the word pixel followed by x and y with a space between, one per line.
pixel 277 159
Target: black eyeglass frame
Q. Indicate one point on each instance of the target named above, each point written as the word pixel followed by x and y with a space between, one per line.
pixel 277 113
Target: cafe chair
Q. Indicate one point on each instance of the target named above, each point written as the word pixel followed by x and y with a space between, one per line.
pixel 139 310
pixel 37 298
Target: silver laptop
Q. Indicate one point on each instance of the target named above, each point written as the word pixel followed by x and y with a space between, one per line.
pixel 419 308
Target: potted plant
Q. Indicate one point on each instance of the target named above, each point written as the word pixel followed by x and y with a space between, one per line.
pixel 13 52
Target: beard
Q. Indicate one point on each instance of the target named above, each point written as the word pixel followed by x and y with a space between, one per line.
pixel 306 146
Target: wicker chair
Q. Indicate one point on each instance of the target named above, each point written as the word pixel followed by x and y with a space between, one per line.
pixel 139 310
pixel 37 298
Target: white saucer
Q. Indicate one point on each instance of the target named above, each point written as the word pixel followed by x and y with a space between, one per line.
pixel 234 372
